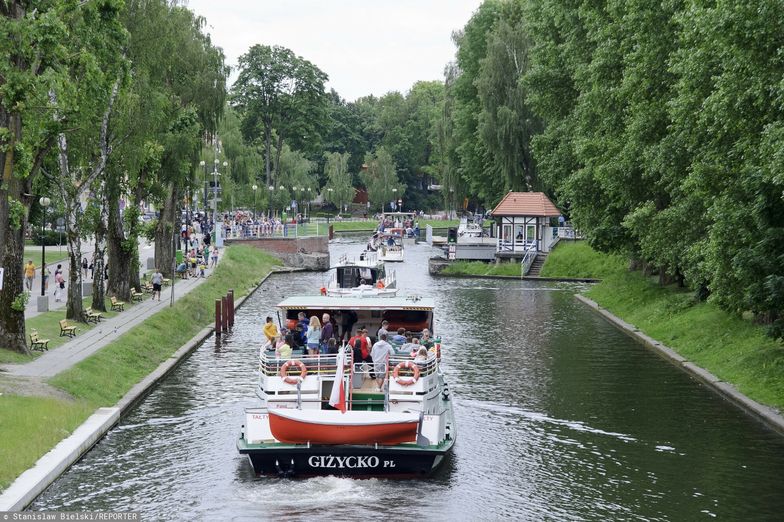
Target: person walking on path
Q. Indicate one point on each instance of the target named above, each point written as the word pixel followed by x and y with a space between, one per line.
pixel 214 256
pixel 29 275
pixel 59 284
pixel 157 281
pixel 84 267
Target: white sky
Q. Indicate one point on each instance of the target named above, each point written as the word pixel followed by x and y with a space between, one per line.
pixel 364 46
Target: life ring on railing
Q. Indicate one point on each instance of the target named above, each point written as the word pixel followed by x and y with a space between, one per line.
pixel 323 290
pixel 406 381
pixel 289 379
pixel 380 284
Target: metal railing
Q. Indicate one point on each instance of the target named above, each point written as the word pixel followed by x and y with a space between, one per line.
pixel 516 245
pixel 528 259
pixel 426 367
pixel 276 230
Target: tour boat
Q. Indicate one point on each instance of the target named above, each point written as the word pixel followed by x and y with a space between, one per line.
pixel 361 276
pixel 325 415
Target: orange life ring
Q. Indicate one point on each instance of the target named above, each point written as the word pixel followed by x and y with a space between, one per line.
pixel 284 371
pixel 380 284
pixel 406 381
pixel 323 290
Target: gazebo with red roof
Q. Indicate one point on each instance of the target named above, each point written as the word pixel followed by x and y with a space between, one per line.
pixel 525 222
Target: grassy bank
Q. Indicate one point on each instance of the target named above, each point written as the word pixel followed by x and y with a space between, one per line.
pixel 30 427
pixel 577 259
pixel 480 268
pixel 103 378
pixel 732 348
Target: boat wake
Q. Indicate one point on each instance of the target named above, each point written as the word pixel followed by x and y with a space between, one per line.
pixel 540 417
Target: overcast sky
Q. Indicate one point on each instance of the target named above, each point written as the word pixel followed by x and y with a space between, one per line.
pixel 364 46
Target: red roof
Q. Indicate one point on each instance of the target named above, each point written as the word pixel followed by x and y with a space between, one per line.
pixel 526 204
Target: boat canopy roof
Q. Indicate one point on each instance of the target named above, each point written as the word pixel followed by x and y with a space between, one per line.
pixel 320 302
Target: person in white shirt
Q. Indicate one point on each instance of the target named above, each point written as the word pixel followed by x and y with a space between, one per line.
pixel 380 354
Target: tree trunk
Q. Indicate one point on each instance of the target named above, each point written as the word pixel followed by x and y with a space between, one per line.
pixel 164 233
pixel 12 226
pixel 99 294
pixel 278 150
pixel 74 306
pixel 121 256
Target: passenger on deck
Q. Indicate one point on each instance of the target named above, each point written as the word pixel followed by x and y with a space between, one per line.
pixel 281 339
pixel 303 323
pixel 327 333
pixel 399 338
pixel 332 346
pixel 314 335
pixel 421 355
pixel 270 331
pixel 382 330
pixel 298 337
pixel 426 341
pixel 380 354
pixel 284 352
pixel 414 346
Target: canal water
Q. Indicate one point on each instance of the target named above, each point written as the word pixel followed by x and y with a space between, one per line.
pixel 559 415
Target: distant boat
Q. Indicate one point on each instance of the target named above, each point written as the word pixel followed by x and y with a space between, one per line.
pixel 362 276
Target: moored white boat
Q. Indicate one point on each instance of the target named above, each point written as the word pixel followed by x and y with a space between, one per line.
pixel 363 276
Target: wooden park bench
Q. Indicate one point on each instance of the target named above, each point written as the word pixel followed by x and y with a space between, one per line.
pixel 136 296
pixel 118 305
pixel 65 329
pixel 91 316
pixel 36 343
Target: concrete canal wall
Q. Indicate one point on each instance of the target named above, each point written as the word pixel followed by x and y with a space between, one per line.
pixel 24 490
pixel 310 252
pixel 768 415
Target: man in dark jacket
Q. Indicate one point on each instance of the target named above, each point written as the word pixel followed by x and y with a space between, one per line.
pixel 327 332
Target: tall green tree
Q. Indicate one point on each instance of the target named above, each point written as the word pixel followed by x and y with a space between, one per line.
pixel 506 124
pixel 279 92
pixel 44 47
pixel 339 190
pixel 380 178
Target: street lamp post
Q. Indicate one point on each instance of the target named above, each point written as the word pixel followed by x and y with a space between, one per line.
pixel 394 194
pixel 271 205
pixel 203 165
pixel 254 187
pixel 44 202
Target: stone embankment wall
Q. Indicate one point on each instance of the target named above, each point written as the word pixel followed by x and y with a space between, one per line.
pixel 310 253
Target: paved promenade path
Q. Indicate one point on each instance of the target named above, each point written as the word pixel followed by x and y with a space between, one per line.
pixel 108 330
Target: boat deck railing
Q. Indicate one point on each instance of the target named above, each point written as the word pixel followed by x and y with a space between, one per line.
pixel 270 365
pixel 426 367
pixel 326 365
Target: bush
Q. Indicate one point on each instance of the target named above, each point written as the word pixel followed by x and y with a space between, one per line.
pixel 50 237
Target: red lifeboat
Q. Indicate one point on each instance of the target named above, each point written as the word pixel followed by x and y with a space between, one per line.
pixel 334 427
